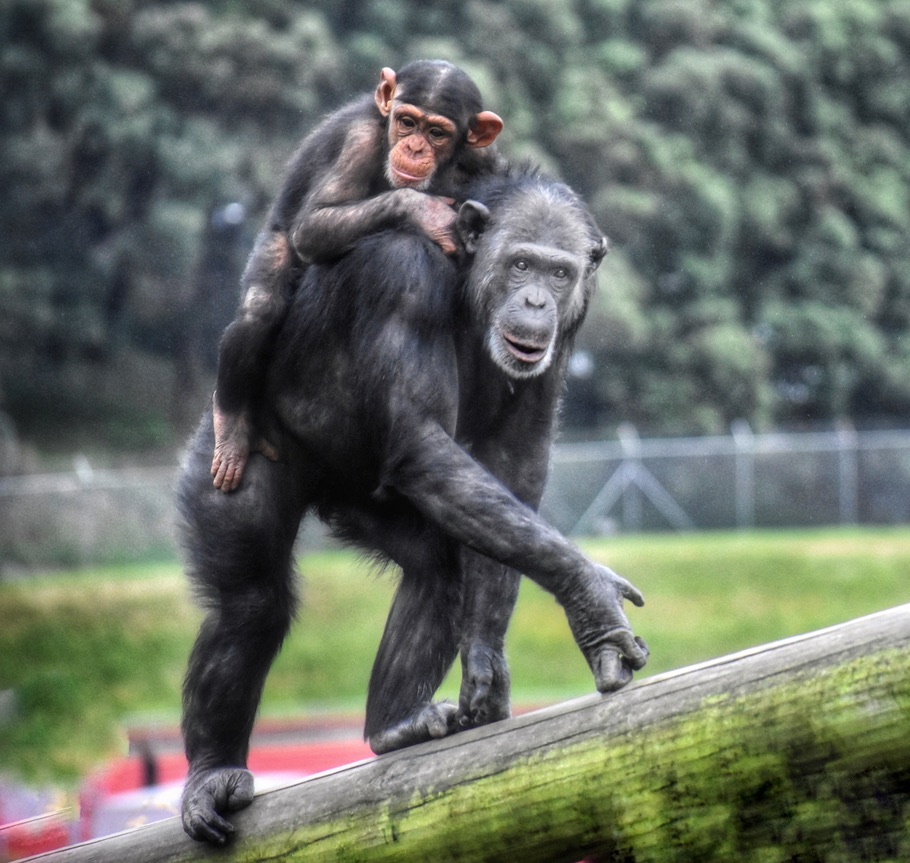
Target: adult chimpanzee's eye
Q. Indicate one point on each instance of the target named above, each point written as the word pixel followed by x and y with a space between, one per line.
pixel 561 273
pixel 520 264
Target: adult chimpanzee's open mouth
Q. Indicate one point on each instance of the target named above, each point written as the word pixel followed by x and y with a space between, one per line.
pixel 525 349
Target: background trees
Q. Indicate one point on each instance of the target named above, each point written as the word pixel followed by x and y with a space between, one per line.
pixel 750 161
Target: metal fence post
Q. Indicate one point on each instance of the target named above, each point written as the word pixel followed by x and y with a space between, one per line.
pixel 631 495
pixel 744 491
pixel 848 472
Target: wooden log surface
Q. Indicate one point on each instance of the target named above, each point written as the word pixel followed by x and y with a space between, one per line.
pixel 796 750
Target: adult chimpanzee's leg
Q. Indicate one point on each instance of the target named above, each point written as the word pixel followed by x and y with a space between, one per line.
pixel 449 598
pixel 516 450
pixel 239 549
pixel 490 592
pixel 418 646
pixel 422 632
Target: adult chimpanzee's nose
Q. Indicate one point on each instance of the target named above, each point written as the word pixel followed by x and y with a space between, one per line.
pixel 536 298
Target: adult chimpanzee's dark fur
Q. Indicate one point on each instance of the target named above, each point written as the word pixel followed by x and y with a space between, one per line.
pixel 415 408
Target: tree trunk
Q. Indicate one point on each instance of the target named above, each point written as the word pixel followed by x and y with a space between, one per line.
pixel 794 751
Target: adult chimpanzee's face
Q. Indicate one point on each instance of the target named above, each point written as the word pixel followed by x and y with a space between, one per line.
pixel 535 280
pixel 531 276
pixel 420 142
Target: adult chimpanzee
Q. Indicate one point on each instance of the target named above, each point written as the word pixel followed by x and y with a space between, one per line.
pixel 414 409
pixel 363 169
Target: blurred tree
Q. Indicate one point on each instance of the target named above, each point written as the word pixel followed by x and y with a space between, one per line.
pixel 750 161
pixel 758 170
pixel 121 125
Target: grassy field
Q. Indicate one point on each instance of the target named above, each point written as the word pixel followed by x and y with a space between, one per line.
pixel 88 652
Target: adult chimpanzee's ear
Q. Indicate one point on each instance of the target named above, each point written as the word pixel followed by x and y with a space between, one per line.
pixel 597 254
pixel 385 91
pixel 483 129
pixel 473 218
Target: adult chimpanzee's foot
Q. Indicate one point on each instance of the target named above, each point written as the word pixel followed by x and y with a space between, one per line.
pixel 428 723
pixel 484 696
pixel 210 794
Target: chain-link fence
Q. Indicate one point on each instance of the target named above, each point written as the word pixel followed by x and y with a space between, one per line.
pixel 86 517
pixel 743 480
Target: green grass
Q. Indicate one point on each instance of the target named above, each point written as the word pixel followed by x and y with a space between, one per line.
pixel 87 652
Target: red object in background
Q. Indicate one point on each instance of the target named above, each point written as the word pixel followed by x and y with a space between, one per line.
pixel 36 835
pixel 146 787
pixel 303 758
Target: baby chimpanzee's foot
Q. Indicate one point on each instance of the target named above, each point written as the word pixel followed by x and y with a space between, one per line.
pixel 232 448
pixel 234 441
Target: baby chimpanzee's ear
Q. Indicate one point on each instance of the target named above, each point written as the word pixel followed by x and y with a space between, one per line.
pixel 484 129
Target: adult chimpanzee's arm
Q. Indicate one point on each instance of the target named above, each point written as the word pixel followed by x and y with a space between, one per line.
pixel 454 491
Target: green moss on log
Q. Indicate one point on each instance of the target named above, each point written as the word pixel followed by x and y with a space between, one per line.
pixel 815 768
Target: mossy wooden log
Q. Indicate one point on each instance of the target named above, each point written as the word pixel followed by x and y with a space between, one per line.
pixel 797 750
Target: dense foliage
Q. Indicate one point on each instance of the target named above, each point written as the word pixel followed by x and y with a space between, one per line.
pixel 749 159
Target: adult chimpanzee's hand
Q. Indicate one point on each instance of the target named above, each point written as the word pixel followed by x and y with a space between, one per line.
pixel 601 628
pixel 208 795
